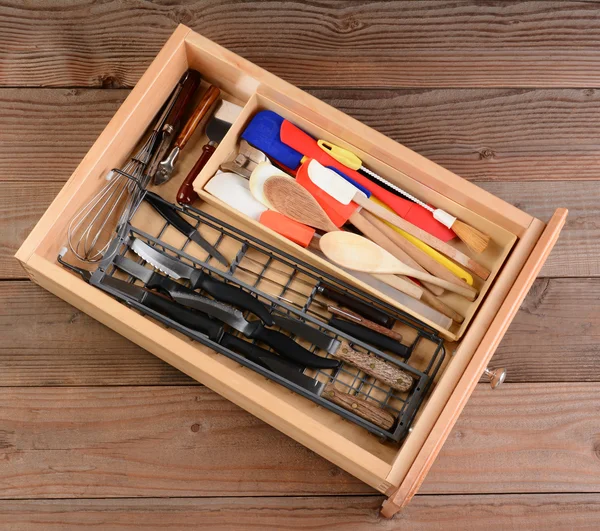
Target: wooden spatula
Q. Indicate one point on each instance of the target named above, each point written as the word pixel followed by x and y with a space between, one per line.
pixel 289 198
pixel 345 192
pixel 358 253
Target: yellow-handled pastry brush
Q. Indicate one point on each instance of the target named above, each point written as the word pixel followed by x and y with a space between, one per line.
pixel 474 239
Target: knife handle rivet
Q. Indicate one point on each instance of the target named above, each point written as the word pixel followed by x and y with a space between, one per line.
pixel 345 350
pixel 331 393
pixel 372 365
pixel 354 405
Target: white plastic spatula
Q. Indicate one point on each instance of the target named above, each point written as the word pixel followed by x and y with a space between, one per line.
pixel 235 191
pixel 344 192
pixel 259 175
pixel 358 253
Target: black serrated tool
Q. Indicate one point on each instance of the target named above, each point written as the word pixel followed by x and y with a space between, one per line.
pixel 176 269
pixel 169 213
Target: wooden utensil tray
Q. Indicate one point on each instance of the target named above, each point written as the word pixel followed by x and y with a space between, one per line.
pixel 521 245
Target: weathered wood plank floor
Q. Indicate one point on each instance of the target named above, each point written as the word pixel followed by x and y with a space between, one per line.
pixel 96 432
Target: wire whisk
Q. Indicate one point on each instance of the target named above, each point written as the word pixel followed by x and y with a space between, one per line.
pixel 92 228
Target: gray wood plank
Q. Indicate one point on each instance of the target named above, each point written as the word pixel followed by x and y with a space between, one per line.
pixel 325 43
pixel 480 134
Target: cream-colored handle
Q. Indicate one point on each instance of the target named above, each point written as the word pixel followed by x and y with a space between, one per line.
pixel 377 236
pixel 401 284
pixel 449 286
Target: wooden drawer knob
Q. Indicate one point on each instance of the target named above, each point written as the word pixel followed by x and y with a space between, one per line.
pixel 496 376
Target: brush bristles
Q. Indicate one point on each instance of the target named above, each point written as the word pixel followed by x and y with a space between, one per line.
pixel 475 240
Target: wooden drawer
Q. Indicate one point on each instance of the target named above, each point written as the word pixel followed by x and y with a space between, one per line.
pixel 521 246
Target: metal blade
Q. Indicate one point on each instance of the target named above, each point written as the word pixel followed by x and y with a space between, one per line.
pixel 223 312
pixel 170 213
pixel 305 331
pixel 291 374
pixel 133 268
pixel 199 239
pixel 165 263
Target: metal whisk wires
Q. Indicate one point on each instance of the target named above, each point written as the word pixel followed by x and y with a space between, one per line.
pixel 92 228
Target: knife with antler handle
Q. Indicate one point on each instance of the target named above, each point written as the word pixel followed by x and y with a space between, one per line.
pixel 384 371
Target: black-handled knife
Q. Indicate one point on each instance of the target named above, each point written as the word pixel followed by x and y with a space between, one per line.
pixel 282 344
pixel 170 214
pixel 258 355
pixel 172 310
pixel 154 280
pixel 199 280
pixel 200 323
pixel 357 305
pixel 370 336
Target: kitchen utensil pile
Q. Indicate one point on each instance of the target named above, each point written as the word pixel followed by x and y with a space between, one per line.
pixel 301 327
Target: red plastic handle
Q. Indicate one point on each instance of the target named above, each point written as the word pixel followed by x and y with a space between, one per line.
pixel 288 228
pixel 337 212
pixel 302 142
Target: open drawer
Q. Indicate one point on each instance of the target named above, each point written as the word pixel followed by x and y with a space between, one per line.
pixel 521 245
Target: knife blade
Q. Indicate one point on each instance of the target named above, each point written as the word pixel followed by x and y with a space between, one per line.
pixel 183 316
pixel 305 331
pixel 214 331
pixel 282 344
pixel 170 214
pixel 363 408
pixel 177 269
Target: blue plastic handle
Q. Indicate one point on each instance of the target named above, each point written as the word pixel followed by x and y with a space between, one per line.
pixel 263 132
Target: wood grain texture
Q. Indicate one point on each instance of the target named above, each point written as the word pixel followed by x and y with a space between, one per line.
pixel 45 341
pixel 325 43
pixel 487 134
pixel 527 438
pixel 186 441
pixel 543 512
pixel 555 335
pixel 575 254
pixel 21 206
pixel 480 134
pixel 46 132
pixel 150 441
pixel 553 338
pixel 577 250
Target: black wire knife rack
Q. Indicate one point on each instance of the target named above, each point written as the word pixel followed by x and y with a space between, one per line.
pixel 286 298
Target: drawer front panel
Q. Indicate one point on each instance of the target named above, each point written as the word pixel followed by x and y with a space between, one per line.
pixel 440 432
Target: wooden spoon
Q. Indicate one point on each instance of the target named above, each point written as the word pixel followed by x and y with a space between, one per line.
pixel 295 202
pixel 291 199
pixel 358 253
